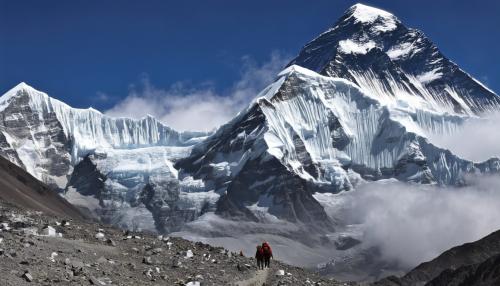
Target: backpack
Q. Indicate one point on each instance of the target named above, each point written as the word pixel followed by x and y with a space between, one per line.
pixel 266 249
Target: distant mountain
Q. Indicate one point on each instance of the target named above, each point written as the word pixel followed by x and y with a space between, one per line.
pixel 358 104
pixel 471 264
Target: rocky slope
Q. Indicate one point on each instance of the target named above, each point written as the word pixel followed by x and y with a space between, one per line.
pixel 23 190
pixel 38 249
pixel 474 263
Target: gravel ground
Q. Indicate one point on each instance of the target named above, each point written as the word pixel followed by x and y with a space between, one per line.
pixel 78 253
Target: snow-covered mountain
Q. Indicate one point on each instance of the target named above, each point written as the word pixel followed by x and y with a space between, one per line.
pixel 116 167
pixel 359 103
pixel 374 50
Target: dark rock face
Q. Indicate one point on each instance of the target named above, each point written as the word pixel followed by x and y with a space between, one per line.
pixel 26 125
pixel 6 151
pixel 474 263
pixel 87 179
pixel 161 200
pixel 486 273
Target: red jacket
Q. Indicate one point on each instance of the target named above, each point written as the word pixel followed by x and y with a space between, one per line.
pixel 268 252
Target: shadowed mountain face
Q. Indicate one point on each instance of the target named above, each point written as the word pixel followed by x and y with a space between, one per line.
pixel 475 263
pixel 22 189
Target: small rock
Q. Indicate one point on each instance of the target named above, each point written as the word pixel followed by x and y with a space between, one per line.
pixel 95 281
pixel 147 260
pixel 102 260
pixel 27 276
pixel 53 256
pixel 4 226
pixel 99 235
pixel 49 231
pixel 176 263
pixel 110 242
pixel 149 273
pixel 189 254
pixel 280 272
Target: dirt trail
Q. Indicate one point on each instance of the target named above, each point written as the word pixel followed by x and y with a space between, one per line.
pixel 259 279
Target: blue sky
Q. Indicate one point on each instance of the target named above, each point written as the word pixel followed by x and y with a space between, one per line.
pixel 93 53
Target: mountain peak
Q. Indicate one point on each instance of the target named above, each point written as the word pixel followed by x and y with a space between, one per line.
pixel 383 21
pixel 368 14
pixel 22 86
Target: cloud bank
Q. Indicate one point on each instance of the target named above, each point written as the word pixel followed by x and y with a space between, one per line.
pixel 411 224
pixel 199 107
pixel 477 139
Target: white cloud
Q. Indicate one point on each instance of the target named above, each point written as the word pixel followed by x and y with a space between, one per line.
pixel 186 107
pixel 411 224
pixel 477 139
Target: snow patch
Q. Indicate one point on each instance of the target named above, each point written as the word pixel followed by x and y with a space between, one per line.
pixel 351 47
pixel 430 76
pixel 400 51
pixel 382 21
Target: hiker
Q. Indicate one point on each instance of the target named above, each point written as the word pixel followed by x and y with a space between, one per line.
pixel 268 253
pixel 259 256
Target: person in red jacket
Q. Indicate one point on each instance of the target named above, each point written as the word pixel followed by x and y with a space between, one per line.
pixel 259 256
pixel 268 253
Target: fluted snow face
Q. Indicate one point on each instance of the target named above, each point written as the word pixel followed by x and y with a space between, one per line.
pixel 342 125
pixel 90 129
